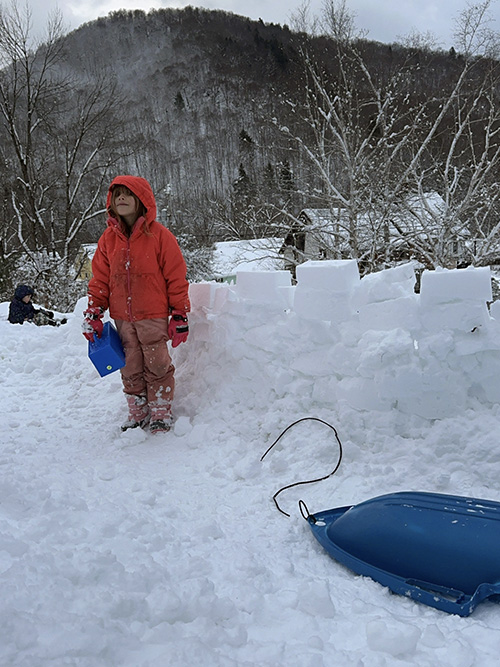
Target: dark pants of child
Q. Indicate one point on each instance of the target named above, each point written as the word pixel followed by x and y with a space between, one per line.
pixel 43 317
pixel 148 370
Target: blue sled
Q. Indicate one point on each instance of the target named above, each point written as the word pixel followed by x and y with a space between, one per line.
pixel 441 550
pixel 106 352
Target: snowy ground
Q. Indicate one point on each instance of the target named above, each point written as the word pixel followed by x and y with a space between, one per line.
pixel 132 550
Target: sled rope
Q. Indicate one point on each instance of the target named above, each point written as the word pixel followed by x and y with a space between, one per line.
pixel 310 481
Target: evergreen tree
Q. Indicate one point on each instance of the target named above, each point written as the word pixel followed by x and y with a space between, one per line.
pixel 287 184
pixel 179 103
pixel 246 141
pixel 269 184
pixel 242 186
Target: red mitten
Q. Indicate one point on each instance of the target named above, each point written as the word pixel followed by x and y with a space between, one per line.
pixel 178 327
pixel 92 324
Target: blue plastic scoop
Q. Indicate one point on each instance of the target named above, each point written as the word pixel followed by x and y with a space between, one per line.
pixel 106 352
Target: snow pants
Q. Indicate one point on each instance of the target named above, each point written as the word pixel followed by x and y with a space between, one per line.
pixel 148 369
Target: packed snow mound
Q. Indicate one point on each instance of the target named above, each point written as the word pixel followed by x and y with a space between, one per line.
pixel 372 343
pixel 128 549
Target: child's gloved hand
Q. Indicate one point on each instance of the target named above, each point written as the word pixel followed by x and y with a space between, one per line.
pixel 92 324
pixel 178 327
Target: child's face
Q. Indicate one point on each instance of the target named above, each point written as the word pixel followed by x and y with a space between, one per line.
pixel 27 298
pixel 125 204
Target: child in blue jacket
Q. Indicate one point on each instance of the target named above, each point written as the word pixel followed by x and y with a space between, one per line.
pixel 22 310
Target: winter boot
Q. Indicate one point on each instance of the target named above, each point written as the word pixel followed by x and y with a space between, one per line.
pixel 138 412
pixel 161 418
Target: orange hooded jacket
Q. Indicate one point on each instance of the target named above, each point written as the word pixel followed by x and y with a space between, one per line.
pixel 141 276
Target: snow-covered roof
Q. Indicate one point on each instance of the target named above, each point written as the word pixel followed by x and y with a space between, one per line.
pixel 421 214
pixel 321 217
pixel 249 255
pixel 89 249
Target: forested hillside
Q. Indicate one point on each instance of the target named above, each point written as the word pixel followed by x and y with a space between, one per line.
pixel 192 81
pixel 206 93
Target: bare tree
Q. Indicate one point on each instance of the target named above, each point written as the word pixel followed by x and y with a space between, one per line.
pixel 92 139
pixel 411 167
pixel 28 95
pixel 459 154
pixel 61 137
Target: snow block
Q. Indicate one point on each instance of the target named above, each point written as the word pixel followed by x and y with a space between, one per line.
pixel 201 295
pixel 380 350
pixel 334 275
pixel 491 389
pixel 220 297
pixel 460 316
pixel 448 285
pixel 480 341
pixel 385 285
pixel 495 310
pixel 262 286
pixel 431 394
pixel 402 313
pixel 320 304
pixel 362 394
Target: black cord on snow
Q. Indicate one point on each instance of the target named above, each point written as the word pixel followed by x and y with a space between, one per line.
pixel 310 481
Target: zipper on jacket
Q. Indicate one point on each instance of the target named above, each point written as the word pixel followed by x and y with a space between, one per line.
pixel 129 286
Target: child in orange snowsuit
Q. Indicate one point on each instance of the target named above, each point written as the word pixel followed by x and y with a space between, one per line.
pixel 139 273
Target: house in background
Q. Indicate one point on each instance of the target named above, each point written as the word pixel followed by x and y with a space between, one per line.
pixel 83 261
pixel 315 235
pixel 415 232
pixel 419 229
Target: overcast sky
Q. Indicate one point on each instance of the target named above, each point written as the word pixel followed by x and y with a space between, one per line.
pixel 384 20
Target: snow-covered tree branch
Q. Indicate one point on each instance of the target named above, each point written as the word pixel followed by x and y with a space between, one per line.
pixel 412 173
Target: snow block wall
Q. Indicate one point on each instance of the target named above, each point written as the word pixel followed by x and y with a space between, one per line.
pixel 370 342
